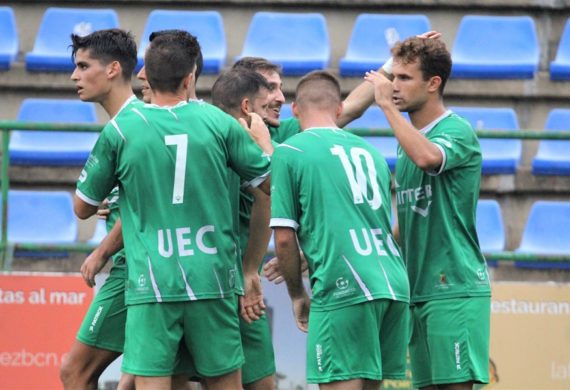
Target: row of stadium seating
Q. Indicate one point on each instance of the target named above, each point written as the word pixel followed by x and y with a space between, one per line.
pixel 500 156
pixel 46 217
pixel 492 47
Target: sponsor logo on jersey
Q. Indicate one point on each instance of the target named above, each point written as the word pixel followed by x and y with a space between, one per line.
pixel 419 199
pixel 142 280
pixel 457 356
pixel 341 283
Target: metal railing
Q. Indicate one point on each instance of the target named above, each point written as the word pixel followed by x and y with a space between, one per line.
pixel 8 248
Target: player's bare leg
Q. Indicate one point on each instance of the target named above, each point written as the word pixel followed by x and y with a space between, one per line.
pixel 267 383
pixel 153 382
pixel 83 366
pixel 127 382
pixel 456 386
pixel 231 381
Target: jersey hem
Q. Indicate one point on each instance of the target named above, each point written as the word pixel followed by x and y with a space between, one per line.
pixel 178 298
pixel 450 296
pixel 345 377
pixel 357 301
pixel 442 381
pixel 257 181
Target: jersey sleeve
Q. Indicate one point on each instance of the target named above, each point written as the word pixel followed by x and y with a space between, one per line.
pixel 245 157
pixel 458 145
pixel 284 192
pixel 98 176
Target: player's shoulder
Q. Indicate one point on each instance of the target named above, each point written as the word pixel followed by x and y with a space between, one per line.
pixel 454 126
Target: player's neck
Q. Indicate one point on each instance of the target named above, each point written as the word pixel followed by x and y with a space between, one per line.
pixel 164 99
pixel 116 99
pixel 318 119
pixel 430 111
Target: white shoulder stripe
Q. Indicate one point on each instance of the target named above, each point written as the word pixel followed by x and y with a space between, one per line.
pixel 136 111
pixel 315 134
pixel 116 126
pixel 290 147
pixel 283 222
pixel 173 114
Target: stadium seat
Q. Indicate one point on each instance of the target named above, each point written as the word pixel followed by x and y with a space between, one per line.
pixel 53 147
pixel 299 42
pixel 560 67
pixel 99 233
pixel 8 38
pixel 553 157
pixel 500 156
pixel 490 226
pixel 496 47
pixel 41 217
pixel 372 37
pixel 373 118
pixel 546 233
pixel 51 51
pixel 207 26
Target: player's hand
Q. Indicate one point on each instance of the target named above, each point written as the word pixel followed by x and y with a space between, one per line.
pixel 103 211
pixel 272 272
pixel 258 131
pixel 430 35
pixel 301 308
pixel 251 304
pixel 383 88
pixel 91 267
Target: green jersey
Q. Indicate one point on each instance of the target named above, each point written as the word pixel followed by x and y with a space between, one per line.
pixel 113 197
pixel 333 188
pixel 436 215
pixel 287 129
pixel 171 166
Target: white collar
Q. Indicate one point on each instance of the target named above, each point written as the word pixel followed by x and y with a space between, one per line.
pixel 434 123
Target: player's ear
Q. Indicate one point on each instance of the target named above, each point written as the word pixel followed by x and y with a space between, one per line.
pixel 295 109
pixel 434 83
pixel 244 106
pixel 339 111
pixel 114 69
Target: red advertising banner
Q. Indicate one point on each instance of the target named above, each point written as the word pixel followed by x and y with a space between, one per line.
pixel 39 317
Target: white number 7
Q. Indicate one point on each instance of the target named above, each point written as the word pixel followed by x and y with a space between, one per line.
pixel 181 142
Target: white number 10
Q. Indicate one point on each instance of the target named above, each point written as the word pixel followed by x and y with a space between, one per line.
pixel 357 180
pixel 181 143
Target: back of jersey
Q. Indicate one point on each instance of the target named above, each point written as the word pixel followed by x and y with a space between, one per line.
pixel 177 221
pixel 336 188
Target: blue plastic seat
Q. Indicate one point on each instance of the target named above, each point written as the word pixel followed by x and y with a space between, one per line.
pixel 372 37
pixel 553 157
pixel 546 233
pixel 490 227
pixel 53 147
pixel 41 217
pixel 374 118
pixel 51 51
pixel 500 156
pixel 207 26
pixel 8 38
pixel 560 67
pixel 496 47
pixel 299 42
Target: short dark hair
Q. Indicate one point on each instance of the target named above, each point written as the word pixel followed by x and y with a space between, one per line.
pixel 432 54
pixel 199 59
pixel 107 46
pixel 235 84
pixel 257 64
pixel 169 59
pixel 318 89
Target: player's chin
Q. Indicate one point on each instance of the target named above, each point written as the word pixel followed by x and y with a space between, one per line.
pixel 273 122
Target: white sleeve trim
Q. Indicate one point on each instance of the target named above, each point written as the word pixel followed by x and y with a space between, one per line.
pixel 86 199
pixel 443 161
pixel 283 222
pixel 256 182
